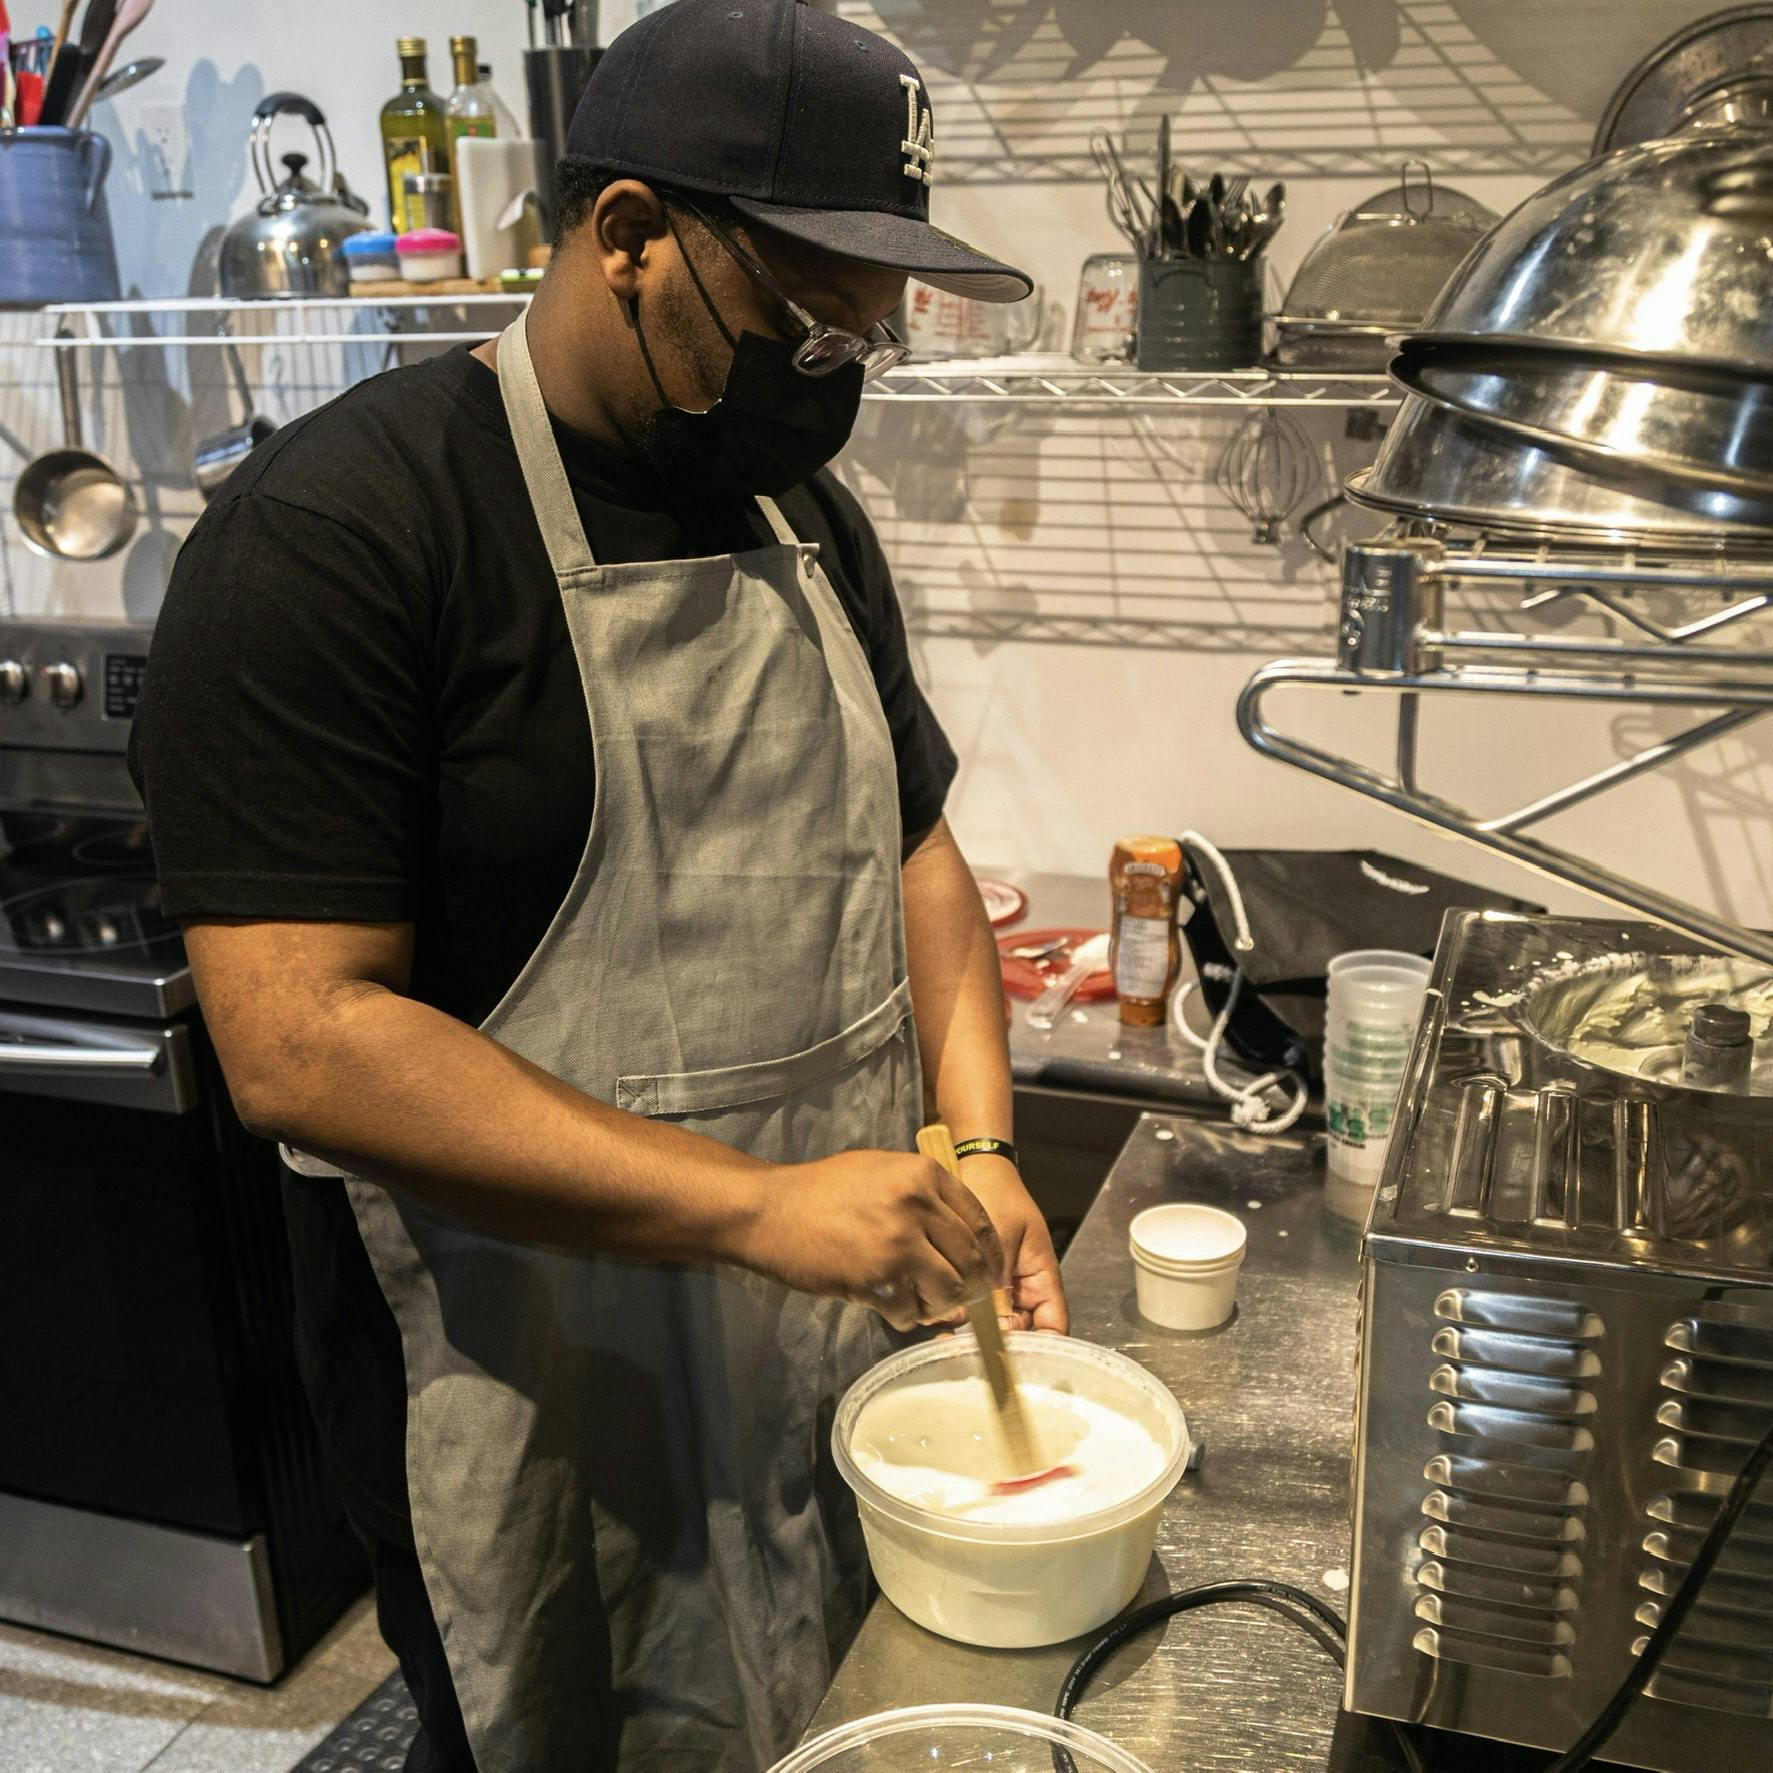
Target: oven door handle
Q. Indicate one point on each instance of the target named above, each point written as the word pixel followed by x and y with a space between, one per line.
pixel 33 1055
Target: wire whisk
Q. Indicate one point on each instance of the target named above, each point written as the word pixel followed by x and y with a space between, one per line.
pixel 1267 471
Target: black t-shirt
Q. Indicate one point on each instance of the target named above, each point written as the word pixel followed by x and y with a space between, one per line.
pixel 362 703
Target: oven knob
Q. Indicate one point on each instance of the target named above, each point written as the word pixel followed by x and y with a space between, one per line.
pixel 15 683
pixel 65 687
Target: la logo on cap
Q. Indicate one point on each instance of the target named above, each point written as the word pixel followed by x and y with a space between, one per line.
pixel 919 145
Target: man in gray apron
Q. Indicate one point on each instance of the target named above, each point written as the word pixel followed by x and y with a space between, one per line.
pixel 641 1228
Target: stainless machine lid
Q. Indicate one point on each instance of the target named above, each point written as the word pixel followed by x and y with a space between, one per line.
pixel 1509 1140
pixel 1692 78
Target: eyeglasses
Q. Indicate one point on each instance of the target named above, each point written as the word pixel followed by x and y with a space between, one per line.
pixel 823 349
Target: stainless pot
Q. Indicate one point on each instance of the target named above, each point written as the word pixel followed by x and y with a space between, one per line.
pixel 1658 251
pixel 1684 436
pixel 1440 465
pixel 70 503
pixel 289 243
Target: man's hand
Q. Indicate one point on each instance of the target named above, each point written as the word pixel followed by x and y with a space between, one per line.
pixel 1031 1268
pixel 886 1229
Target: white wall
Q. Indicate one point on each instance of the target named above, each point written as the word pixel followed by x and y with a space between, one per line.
pixel 1093 525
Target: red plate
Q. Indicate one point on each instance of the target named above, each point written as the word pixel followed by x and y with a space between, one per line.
pixel 1029 978
pixel 1003 902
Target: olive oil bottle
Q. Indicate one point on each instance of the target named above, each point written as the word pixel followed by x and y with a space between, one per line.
pixel 415 133
pixel 472 108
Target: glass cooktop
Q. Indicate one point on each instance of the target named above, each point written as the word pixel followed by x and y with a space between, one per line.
pixel 80 920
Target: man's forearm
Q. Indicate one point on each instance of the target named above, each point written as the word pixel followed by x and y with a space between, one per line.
pixel 957 992
pixel 391 1089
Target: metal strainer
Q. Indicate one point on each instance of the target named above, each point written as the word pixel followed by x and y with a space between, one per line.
pixel 1377 271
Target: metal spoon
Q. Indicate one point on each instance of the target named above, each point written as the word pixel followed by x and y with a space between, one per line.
pixel 1086 958
pixel 130 74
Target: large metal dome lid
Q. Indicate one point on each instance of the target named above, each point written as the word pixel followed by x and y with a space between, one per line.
pixel 1664 250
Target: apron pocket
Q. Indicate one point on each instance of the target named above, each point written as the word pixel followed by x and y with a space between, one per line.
pixel 669 1094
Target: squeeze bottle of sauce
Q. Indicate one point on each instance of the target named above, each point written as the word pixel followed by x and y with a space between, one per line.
pixel 1145 878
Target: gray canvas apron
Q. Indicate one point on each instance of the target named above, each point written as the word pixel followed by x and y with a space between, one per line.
pixel 623 1499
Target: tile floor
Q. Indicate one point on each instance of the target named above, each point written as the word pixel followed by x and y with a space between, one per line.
pixel 69 1707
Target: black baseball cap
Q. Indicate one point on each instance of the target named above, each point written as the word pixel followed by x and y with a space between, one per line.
pixel 803 121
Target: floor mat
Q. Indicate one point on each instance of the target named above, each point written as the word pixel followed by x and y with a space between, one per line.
pixel 373 1739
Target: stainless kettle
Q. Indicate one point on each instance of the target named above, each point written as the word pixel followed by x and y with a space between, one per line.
pixel 290 243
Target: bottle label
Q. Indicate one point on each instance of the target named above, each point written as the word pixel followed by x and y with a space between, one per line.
pixel 405 154
pixel 475 126
pixel 1142 958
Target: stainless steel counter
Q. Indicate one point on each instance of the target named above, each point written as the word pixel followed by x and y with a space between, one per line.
pixel 1271 1394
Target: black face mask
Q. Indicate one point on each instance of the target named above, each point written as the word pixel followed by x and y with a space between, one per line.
pixel 771 429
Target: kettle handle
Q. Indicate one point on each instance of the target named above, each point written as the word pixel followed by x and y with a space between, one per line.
pixel 269 108
pixel 95 161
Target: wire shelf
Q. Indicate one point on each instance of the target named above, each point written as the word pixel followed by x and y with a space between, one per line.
pixel 1038 379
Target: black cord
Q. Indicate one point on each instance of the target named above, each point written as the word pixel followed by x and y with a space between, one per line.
pixel 1324 1625
pixel 1711 1548
pixel 1282 1597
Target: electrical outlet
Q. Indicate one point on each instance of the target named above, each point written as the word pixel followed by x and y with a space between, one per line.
pixel 165 150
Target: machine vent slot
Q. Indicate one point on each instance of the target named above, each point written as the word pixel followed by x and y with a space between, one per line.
pixel 1530 1392
pixel 1743 1344
pixel 1543 1563
pixel 1514 1158
pixel 1514 1354
pixel 1535 1525
pixel 1454 1646
pixel 1464 1582
pixel 1499 1563
pixel 1503 1481
pixel 1742 1557
pixel 1510 1428
pixel 1693 1513
pixel 1719 1382
pixel 1716 1402
pixel 1523 1314
pixel 1752 1595
pixel 1474 1619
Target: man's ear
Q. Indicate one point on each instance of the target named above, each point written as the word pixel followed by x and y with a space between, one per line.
pixel 626 227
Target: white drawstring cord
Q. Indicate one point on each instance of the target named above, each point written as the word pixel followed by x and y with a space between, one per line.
pixel 1250 1108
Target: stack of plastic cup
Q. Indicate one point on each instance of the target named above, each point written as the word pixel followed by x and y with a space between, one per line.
pixel 1375 1002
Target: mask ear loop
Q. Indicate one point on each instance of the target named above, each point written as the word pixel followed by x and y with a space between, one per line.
pixel 652 368
pixel 689 265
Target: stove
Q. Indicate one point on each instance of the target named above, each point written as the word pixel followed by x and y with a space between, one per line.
pixel 161 1484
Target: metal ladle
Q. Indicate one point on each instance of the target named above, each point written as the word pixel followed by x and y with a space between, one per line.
pixel 70 503
pixel 217 457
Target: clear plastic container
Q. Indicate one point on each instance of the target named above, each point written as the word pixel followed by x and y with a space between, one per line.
pixel 1015 1585
pixel 996 1736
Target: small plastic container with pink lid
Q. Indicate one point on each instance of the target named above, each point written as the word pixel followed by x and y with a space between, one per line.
pixel 427 255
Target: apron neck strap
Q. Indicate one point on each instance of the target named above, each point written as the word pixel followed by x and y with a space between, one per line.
pixel 550 492
pixel 772 513
pixel 544 474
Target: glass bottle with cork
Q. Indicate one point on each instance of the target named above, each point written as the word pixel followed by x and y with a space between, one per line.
pixel 415 134
pixel 1145 877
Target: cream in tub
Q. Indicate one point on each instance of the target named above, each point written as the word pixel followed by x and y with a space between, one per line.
pixel 915 1440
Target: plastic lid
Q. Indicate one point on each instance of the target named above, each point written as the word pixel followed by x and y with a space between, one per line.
pixel 1009 1740
pixel 358 246
pixel 429 240
pixel 1186 1238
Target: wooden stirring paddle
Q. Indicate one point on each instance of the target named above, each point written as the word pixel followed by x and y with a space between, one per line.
pixel 1026 1466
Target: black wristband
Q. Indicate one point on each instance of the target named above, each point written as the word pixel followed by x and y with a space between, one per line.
pixel 986 1148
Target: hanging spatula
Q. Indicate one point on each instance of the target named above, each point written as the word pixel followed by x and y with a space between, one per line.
pixel 1022 1456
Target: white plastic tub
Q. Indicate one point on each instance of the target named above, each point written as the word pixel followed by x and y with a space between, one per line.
pixel 1015 1586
